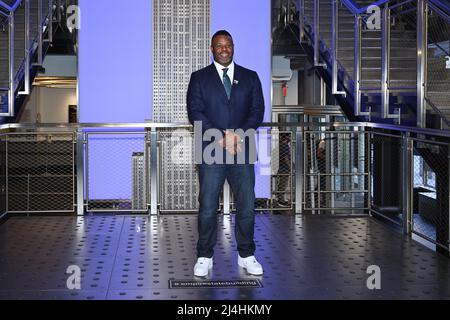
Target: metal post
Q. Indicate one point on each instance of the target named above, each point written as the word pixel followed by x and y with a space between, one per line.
pixel 323 92
pixel 80 171
pixel 357 66
pixel 361 160
pixel 26 90
pixel 333 172
pixel 334 44
pixel 407 159
pixel 368 155
pixel 385 48
pixel 6 173
pixel 39 22
pixel 385 67
pixel 422 32
pixel 299 173
pixel 153 172
pixel 352 165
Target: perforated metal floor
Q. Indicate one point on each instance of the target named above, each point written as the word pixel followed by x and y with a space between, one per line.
pixel 134 257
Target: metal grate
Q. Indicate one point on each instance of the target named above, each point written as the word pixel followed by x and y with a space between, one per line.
pixel 336 171
pixel 139 197
pixel 403 43
pixel 40 172
pixel 438 64
pixel 178 172
pixel 113 155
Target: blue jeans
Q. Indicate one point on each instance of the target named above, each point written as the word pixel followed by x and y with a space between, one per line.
pixel 242 181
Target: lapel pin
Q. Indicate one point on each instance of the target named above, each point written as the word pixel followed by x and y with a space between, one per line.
pixel 235 82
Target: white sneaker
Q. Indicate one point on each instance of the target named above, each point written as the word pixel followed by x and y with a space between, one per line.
pixel 251 265
pixel 203 266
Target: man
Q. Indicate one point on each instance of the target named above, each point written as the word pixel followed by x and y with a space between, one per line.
pixel 225 96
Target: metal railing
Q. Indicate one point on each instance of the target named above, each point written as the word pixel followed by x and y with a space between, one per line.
pixel 383 70
pixel 303 167
pixel 27 21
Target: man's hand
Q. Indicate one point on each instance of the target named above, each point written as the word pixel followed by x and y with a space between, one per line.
pixel 231 142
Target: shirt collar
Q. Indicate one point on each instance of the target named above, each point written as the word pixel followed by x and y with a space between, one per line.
pixel 219 68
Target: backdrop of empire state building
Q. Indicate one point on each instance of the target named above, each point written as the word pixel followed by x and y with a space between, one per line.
pixel 181 37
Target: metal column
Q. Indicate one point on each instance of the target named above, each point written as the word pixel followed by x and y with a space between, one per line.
pixel 12 87
pixel 385 58
pixel 407 182
pixel 80 171
pixel 299 173
pixel 153 172
pixel 422 17
pixel 26 90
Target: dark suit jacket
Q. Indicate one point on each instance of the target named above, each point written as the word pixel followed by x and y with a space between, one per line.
pixel 208 103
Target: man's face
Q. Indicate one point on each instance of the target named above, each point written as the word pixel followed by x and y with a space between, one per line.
pixel 223 50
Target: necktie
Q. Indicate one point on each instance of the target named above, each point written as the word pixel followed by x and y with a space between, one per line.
pixel 226 82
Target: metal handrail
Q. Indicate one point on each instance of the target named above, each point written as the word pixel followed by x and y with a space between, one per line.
pixel 156 125
pixel 4 5
pixel 351 6
pixel 441 6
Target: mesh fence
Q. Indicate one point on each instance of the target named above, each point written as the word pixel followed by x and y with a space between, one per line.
pixel 118 161
pixel 371 44
pixel 438 64
pixel 275 187
pixel 178 173
pixel 431 192
pixel 386 170
pixel 336 171
pixel 40 172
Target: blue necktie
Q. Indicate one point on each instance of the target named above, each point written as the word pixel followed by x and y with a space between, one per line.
pixel 226 82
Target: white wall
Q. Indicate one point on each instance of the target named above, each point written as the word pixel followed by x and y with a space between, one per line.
pixel 281 67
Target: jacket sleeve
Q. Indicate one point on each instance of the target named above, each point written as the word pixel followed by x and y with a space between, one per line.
pixel 195 104
pixel 256 113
